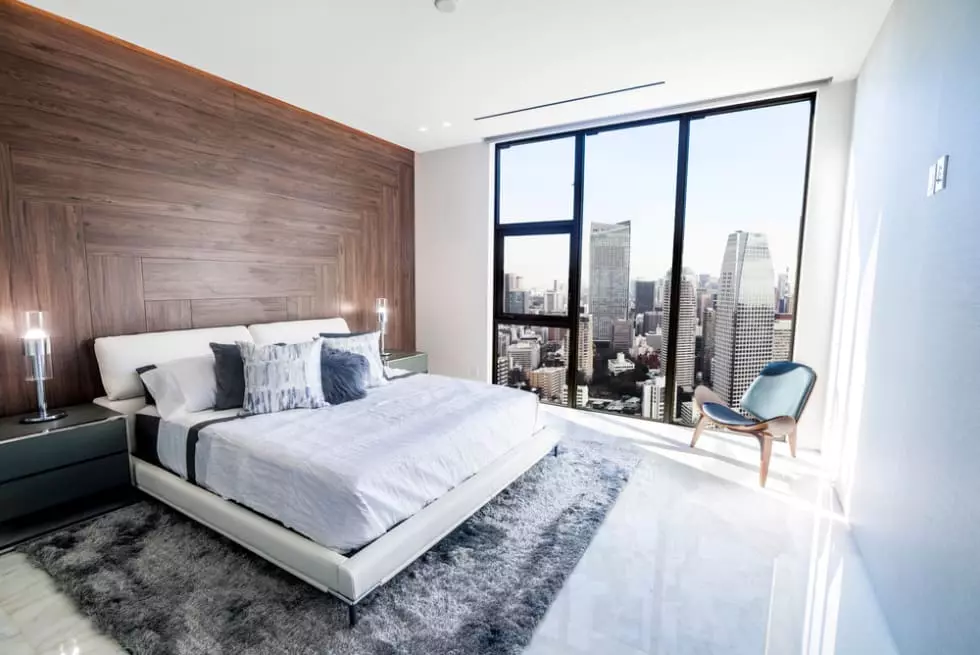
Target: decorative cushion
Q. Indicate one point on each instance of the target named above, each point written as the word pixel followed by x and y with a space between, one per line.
pixel 147 396
pixel 182 385
pixel 229 373
pixel 281 377
pixel 344 376
pixel 367 344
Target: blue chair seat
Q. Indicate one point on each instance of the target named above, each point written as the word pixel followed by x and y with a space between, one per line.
pixel 725 416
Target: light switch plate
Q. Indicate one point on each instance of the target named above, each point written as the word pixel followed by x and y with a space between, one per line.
pixel 941 166
pixel 931 188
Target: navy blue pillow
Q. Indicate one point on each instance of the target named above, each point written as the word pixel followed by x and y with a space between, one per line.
pixel 229 376
pixel 344 375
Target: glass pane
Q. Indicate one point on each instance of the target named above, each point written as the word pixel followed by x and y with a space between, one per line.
pixel 536 275
pixel 537 181
pixel 534 359
pixel 627 245
pixel 744 198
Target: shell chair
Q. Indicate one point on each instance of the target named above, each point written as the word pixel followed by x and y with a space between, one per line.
pixel 774 402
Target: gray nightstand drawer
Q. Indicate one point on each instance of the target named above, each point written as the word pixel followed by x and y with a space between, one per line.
pixel 415 362
pixel 25 457
pixel 52 488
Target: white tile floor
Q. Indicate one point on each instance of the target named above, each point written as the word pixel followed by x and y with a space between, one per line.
pixel 694 558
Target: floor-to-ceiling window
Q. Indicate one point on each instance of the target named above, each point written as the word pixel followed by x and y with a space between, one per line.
pixel 637 261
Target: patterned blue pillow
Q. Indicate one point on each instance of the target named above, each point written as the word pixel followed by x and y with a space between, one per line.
pixel 280 377
pixel 344 375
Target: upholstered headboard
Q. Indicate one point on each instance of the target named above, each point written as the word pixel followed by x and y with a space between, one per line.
pixel 295 331
pixel 119 357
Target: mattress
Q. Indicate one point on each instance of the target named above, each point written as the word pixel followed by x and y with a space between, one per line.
pixel 344 475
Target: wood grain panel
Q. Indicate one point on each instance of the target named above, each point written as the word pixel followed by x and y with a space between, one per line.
pixel 116 290
pixel 300 308
pixel 139 194
pixel 175 279
pixel 164 315
pixel 238 311
pixel 109 231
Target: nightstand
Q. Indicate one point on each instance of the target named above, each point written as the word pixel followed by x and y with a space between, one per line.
pixel 53 474
pixel 409 361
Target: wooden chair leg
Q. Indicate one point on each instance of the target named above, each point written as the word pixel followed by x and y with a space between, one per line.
pixel 702 423
pixel 792 442
pixel 765 445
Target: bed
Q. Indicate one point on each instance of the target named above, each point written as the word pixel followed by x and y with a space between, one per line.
pixel 343 497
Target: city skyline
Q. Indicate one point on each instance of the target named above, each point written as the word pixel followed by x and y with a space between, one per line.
pixel 746 173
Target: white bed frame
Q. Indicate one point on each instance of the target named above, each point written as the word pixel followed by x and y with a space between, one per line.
pixel 348 578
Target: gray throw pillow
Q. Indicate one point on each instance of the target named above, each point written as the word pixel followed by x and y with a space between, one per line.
pixel 229 374
pixel 284 377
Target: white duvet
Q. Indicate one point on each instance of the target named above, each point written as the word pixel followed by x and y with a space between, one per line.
pixel 345 474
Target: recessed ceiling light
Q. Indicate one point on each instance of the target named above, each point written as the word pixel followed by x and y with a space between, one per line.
pixel 423 129
pixel 447 124
pixel 447 6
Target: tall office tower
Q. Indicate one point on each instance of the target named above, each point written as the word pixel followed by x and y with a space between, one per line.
pixel 686 326
pixel 708 334
pixel 784 293
pixel 622 335
pixel 504 365
pixel 525 354
pixel 549 381
pixel 518 302
pixel 651 321
pixel 586 349
pixel 782 337
pixel 744 321
pixel 512 282
pixel 555 302
pixel 646 292
pixel 609 274
pixel 652 400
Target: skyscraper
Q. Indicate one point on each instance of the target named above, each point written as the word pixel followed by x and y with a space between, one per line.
pixel 646 291
pixel 609 274
pixel 586 349
pixel 708 333
pixel 782 337
pixel 652 402
pixel 686 325
pixel 622 335
pixel 744 315
pixel 518 302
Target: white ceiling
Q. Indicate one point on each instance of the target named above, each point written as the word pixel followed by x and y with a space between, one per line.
pixel 389 67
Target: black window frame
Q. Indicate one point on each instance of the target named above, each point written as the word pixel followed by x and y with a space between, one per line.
pixel 574 228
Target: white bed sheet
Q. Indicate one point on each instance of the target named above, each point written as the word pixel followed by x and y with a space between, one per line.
pixel 344 475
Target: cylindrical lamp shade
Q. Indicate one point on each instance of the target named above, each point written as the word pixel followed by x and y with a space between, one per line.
pixel 37 348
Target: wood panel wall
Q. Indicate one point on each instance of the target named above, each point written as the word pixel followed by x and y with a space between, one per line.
pixel 137 194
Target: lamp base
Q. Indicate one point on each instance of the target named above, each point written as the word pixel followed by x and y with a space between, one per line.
pixel 39 418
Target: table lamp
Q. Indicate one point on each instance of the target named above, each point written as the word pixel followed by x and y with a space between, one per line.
pixel 37 357
pixel 381 307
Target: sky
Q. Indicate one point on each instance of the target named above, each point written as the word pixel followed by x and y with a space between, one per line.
pixel 746 172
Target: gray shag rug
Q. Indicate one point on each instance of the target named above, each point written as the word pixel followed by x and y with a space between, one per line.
pixel 157 582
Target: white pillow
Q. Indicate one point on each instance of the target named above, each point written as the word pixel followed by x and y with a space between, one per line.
pixel 182 385
pixel 367 344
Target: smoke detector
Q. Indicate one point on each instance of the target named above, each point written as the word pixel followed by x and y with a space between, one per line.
pixel 446 6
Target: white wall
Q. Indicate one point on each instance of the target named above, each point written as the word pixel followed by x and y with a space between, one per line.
pixel 906 358
pixel 453 232
pixel 453 237
pixel 821 244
